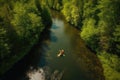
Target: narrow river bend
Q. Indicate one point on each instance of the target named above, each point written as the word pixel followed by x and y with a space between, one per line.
pixel 43 64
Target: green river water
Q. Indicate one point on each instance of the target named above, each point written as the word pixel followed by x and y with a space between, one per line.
pixel 79 63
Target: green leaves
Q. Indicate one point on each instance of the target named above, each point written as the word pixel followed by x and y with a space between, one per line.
pixel 67 11
pixel 54 4
pixel 101 32
pixel 26 21
pixel 116 34
pixel 71 13
pixel 4 44
pixel 90 33
pixel 116 40
pixel 111 65
pixel 75 15
pixel 88 29
pixel 22 21
pixel 46 16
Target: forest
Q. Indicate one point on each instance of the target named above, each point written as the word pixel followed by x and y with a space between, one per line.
pixel 99 23
pixel 22 21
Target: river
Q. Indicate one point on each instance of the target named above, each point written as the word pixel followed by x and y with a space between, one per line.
pixel 42 63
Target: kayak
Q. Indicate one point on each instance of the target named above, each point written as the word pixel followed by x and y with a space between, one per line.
pixel 59 55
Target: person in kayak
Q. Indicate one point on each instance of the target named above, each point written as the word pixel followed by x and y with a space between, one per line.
pixel 61 52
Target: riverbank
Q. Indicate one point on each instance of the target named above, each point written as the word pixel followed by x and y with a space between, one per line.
pixel 100 33
pixel 20 29
pixel 9 63
pixel 79 62
pixel 110 63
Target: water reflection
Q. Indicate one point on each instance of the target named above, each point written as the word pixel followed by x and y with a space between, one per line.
pixel 53 38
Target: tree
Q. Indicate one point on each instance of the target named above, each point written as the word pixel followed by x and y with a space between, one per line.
pixel 75 16
pixel 67 11
pixel 116 40
pixel 73 12
pixel 46 17
pixel 26 22
pixel 90 33
pixel 4 44
pixel 108 19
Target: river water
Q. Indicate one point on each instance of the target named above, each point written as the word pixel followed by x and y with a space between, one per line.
pixel 42 63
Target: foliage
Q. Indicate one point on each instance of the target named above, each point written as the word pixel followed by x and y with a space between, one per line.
pixel 116 40
pixel 71 13
pixel 90 33
pixel 111 65
pixel 20 28
pixel 100 27
pixel 105 22
pixel 67 11
pixel 26 22
pixel 100 31
pixel 4 44
pixel 46 17
pixel 98 20
pixel 54 4
pixel 44 12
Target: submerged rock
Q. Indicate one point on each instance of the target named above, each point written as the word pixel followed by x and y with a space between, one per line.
pixel 36 75
pixel 44 74
pixel 57 75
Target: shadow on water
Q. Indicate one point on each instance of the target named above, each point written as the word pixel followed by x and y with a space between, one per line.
pixel 34 61
pixel 53 38
pixel 30 61
pixel 54 26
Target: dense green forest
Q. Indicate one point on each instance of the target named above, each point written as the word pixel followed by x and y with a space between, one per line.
pixel 99 23
pixel 21 22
